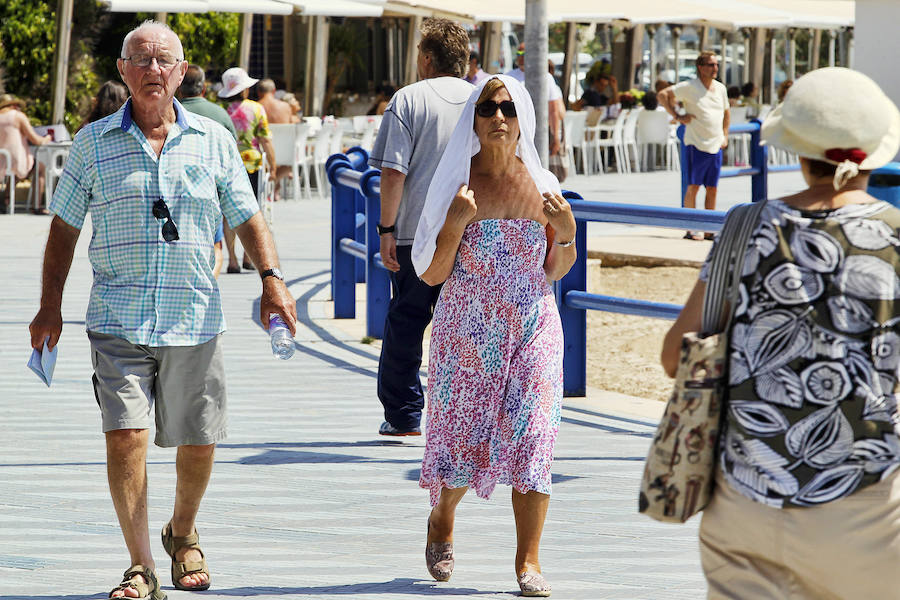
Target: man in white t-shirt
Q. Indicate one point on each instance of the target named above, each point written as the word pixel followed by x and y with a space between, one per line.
pixel 554 99
pixel 415 130
pixel 706 128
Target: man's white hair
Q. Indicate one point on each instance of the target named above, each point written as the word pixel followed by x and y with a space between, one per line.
pixel 149 24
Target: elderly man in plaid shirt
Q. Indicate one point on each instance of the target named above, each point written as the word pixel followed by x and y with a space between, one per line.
pixel 157 180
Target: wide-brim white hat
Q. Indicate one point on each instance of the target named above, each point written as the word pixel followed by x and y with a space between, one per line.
pixel 838 116
pixel 234 81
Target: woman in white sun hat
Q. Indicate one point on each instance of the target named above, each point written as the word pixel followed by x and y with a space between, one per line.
pixel 253 138
pixel 807 497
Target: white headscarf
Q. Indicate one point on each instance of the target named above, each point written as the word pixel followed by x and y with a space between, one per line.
pixel 456 162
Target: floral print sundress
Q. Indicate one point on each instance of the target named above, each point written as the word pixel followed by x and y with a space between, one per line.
pixel 495 365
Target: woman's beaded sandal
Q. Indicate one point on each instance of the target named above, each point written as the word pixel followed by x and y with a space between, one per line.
pixel 180 569
pixel 532 584
pixel 147 589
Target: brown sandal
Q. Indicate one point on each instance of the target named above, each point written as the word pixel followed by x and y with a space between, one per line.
pixel 148 591
pixel 180 569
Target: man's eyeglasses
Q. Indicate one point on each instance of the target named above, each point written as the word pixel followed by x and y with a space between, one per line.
pixel 161 211
pixel 488 108
pixel 143 60
pixel 709 65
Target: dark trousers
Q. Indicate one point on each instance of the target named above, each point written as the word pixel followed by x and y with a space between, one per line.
pixel 410 311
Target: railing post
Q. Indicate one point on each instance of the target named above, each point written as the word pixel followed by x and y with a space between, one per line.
pixel 682 153
pixel 759 159
pixel 574 320
pixel 378 279
pixel 360 233
pixel 358 157
pixel 343 224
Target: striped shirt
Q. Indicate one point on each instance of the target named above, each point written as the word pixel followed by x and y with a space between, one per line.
pixel 146 290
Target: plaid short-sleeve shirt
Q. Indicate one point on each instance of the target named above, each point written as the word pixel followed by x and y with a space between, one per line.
pixel 146 290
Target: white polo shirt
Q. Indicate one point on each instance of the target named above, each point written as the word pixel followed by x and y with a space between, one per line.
pixel 708 108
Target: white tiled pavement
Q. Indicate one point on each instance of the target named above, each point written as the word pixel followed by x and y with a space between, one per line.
pixel 306 500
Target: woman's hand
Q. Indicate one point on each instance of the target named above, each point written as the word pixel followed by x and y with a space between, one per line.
pixel 462 208
pixel 559 214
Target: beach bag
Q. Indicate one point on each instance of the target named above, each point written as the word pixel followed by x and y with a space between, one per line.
pixel 681 464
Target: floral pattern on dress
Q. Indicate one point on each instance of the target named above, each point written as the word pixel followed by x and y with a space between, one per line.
pixel 251 124
pixel 815 356
pixel 495 365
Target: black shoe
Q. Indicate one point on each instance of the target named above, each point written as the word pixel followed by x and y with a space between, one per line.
pixel 388 429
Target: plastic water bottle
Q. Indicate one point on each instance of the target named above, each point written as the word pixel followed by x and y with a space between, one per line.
pixel 280 335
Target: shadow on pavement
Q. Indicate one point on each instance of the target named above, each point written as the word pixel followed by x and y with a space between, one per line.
pixel 413 587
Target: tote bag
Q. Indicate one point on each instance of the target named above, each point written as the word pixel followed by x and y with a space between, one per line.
pixel 681 464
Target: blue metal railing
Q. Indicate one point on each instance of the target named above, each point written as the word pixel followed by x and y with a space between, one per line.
pixel 356 208
pixel 355 256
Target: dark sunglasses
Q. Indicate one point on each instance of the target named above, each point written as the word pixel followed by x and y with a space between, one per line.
pixel 488 108
pixel 161 211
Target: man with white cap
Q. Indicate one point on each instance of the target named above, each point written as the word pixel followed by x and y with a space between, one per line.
pixel 806 502
pixel 157 181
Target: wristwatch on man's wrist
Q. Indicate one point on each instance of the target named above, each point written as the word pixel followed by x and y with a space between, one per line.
pixel 383 230
pixel 273 272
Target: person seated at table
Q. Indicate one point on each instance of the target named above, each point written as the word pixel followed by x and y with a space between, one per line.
pixel 734 95
pixel 110 98
pixel 650 101
pixel 596 95
pixel 15 131
pixel 749 98
pixel 384 93
pixel 277 111
pixel 296 110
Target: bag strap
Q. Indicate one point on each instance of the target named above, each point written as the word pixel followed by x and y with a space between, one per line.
pixel 727 266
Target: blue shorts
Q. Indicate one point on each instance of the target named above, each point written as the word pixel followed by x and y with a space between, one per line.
pixel 220 234
pixel 703 168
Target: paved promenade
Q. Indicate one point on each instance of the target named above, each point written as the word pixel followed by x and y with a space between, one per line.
pixel 306 500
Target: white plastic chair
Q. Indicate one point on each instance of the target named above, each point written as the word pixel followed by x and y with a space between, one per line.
pixel 339 128
pixel 321 151
pixel 289 141
pixel 368 134
pixel 265 191
pixel 739 143
pixel 9 176
pixel 652 132
pixel 53 158
pixel 573 125
pixel 614 141
pixel 629 141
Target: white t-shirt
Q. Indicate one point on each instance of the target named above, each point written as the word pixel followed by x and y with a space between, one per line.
pixel 553 90
pixel 708 108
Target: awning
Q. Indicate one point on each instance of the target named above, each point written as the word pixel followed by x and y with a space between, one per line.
pixel 507 10
pixel 260 7
pixel 337 8
pixel 817 14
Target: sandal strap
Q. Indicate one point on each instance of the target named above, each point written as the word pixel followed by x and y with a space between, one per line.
pixel 182 569
pixel 173 544
pixel 143 588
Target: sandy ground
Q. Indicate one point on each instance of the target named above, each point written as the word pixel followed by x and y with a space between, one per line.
pixel 623 350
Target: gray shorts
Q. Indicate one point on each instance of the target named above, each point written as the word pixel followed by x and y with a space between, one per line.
pixel 185 384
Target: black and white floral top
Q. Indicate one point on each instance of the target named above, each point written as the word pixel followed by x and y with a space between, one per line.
pixel 813 375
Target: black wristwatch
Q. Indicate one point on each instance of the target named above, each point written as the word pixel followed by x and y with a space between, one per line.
pixel 273 272
pixel 383 230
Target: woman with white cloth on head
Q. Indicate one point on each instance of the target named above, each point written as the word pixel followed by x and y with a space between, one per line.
pixel 494 229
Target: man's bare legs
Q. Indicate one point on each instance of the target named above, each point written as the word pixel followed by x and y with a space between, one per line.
pixel 193 465
pixel 710 203
pixel 530 510
pixel 126 469
pixel 690 196
pixel 126 463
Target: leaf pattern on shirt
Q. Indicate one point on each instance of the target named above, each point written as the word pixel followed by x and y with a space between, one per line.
pixel 812 414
